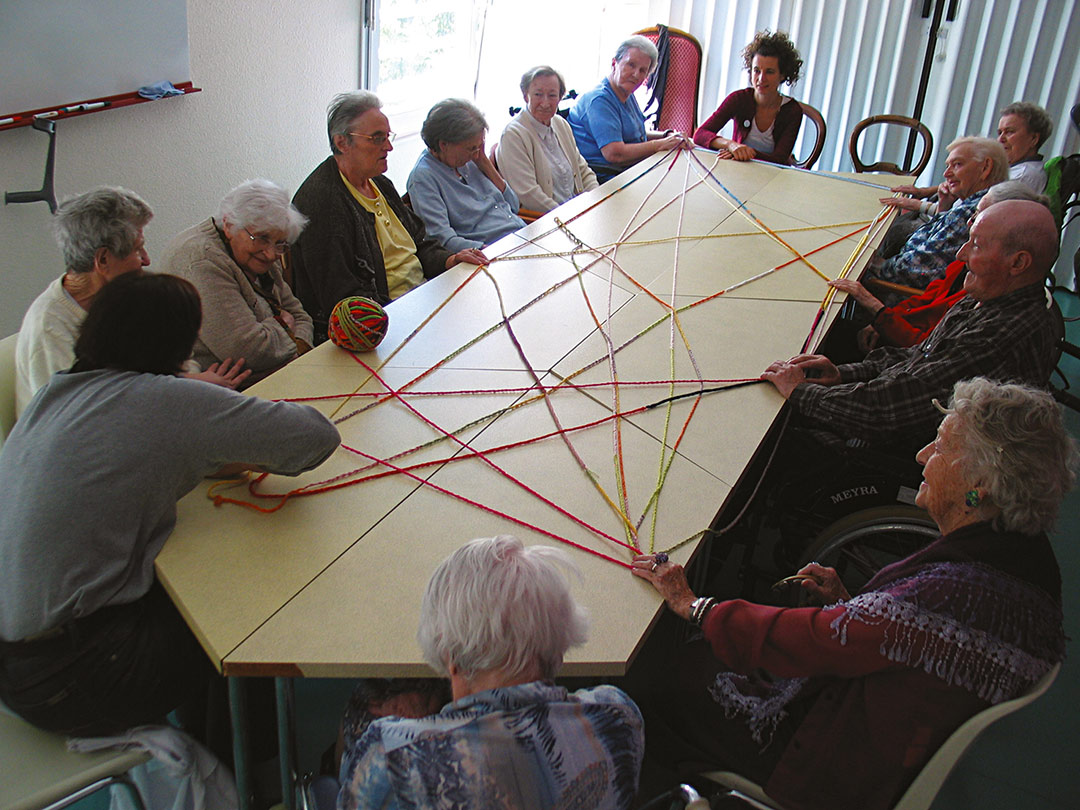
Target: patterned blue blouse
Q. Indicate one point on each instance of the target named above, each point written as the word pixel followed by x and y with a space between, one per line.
pixel 528 746
pixel 930 249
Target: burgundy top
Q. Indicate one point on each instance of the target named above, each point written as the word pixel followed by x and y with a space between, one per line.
pixel 874 713
pixel 741 107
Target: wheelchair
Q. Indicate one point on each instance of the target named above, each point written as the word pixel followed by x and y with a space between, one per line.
pixel 850 508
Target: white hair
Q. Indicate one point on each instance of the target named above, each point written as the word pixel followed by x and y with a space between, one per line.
pixel 643 44
pixel 261 206
pixel 1014 444
pixel 495 604
pixel 346 108
pixel 109 218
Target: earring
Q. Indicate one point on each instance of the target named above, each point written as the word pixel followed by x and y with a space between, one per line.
pixel 971 498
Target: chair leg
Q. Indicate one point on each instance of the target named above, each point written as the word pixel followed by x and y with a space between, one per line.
pixel 109 781
pixel 241 763
pixel 283 689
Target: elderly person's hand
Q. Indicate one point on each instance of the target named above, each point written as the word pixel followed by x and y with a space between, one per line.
pixel 227 374
pixel 787 375
pixel 914 191
pixel 822 584
pixel 668 578
pixel 867 339
pixel 857 291
pixel 286 319
pixel 902 203
pixel 467 256
pixel 947 195
pixel 671 140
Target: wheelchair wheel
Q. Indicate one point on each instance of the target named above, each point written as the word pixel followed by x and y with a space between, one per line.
pixel 862 543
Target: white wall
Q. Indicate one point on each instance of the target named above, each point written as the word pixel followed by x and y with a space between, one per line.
pixel 267 69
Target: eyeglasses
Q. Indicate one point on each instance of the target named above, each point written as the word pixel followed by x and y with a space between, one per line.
pixel 378 138
pixel 261 243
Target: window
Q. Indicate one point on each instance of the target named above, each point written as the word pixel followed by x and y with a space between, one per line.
pixel 426 50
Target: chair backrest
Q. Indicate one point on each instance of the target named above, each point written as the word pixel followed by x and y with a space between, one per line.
pixel 37 770
pixel 921 792
pixel 678 109
pixel 886 166
pixel 819 143
pixel 7 385
pixel 1063 186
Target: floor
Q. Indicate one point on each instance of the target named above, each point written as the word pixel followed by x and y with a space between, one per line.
pixel 1027 760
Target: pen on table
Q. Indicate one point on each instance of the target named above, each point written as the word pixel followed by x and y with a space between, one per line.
pixel 6 121
pixel 97 105
pixel 49 114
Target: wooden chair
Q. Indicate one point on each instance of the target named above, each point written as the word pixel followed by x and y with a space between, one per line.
pixel 921 792
pixel 818 120
pixel 37 772
pixel 7 385
pixel 678 75
pixel 886 166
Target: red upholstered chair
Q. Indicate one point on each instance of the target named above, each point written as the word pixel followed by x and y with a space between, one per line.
pixel 680 78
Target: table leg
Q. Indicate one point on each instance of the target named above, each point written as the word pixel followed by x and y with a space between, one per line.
pixel 238 713
pixel 283 689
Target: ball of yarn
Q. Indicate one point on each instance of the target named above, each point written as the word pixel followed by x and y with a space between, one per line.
pixel 357 324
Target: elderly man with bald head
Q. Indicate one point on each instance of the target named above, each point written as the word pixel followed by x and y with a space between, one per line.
pixel 1002 330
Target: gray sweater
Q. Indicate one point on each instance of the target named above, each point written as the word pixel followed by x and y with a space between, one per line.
pixel 238 321
pixel 90 476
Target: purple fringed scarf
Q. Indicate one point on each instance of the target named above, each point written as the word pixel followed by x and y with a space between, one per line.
pixel 961 620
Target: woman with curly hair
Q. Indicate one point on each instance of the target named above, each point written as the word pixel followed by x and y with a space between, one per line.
pixel 766 122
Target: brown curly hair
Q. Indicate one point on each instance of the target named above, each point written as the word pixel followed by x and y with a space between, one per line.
pixel 768 44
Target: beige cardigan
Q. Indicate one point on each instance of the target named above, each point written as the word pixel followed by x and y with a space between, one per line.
pixel 524 165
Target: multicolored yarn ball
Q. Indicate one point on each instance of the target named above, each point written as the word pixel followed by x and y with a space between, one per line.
pixel 357 324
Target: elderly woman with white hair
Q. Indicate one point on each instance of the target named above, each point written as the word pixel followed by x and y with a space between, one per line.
pixel 537 153
pixel 860 693
pixel 454 187
pixel 608 124
pixel 498 617
pixel 234 261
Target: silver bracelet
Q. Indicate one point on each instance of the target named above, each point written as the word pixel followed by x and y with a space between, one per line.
pixel 699 608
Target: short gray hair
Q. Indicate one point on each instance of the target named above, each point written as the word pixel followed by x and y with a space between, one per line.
pixel 539 72
pixel 1035 118
pixel 109 218
pixel 1015 190
pixel 261 206
pixel 346 108
pixel 452 120
pixel 495 604
pixel 643 44
pixel 983 148
pixel 1013 443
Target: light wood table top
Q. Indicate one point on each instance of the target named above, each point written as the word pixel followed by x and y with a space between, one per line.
pixel 330 584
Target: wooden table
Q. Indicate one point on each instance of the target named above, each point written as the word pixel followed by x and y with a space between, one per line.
pixel 330 585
